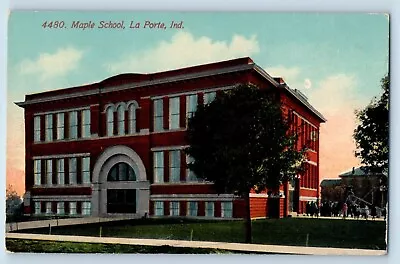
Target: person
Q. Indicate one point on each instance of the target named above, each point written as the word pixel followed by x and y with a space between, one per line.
pixel 373 211
pixel 344 210
pixel 384 213
pixel 366 211
pixel 307 208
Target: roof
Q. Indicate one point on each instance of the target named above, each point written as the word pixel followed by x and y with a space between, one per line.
pixel 134 80
pixel 356 171
pixel 330 182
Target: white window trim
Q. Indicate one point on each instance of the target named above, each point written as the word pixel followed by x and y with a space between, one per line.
pixel 161 115
pixel 223 209
pixel 157 209
pixel 170 115
pixel 178 168
pixel 206 211
pixel 155 175
pixel 188 208
pixel 171 209
pixel 70 211
pixel 37 122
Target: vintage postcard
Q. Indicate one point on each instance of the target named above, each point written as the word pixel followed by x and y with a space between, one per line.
pixel 166 132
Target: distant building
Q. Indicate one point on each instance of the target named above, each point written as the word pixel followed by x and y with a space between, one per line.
pixel 332 190
pixel 117 146
pixel 367 186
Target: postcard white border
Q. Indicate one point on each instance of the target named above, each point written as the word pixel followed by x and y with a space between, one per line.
pixel 390 6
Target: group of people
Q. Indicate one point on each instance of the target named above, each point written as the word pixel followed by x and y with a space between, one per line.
pixel 344 209
pixel 312 209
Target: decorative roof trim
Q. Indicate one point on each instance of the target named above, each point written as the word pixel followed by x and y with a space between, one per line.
pixel 177 78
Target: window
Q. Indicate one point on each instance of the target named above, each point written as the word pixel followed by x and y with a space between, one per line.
pixel 191 105
pixel 73 125
pixel 174 113
pixel 60 208
pixel 192 208
pixel 110 121
pixel 226 209
pixel 209 97
pixel 86 208
pixel 60 172
pixel 210 209
pixel 132 119
pixel 158 166
pixel 49 127
pixel 72 208
pixel 121 120
pixel 175 163
pixel 190 176
pixel 37 171
pixel 158 208
pixel 72 170
pixel 121 201
pixel 86 170
pixel 158 115
pixel 37 207
pixel 174 208
pixel 48 208
pixel 85 132
pixel 121 172
pixel 36 127
pixel 49 172
pixel 60 126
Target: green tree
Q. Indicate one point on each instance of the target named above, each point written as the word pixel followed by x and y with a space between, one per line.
pixel 13 203
pixel 242 141
pixel 372 132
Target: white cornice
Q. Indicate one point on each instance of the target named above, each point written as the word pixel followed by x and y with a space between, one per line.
pixel 74 155
pixel 177 78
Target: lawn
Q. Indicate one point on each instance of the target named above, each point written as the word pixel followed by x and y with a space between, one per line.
pixel 36 246
pixel 288 231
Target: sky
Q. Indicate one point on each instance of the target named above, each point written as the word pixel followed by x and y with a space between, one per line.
pixel 337 60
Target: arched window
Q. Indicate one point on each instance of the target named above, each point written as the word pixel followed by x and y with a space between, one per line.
pixel 121 172
pixel 110 121
pixel 132 119
pixel 121 120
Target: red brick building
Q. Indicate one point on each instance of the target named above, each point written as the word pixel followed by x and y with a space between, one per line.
pixel 116 147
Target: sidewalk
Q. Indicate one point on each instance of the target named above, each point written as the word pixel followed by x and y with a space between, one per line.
pixel 203 244
pixel 60 222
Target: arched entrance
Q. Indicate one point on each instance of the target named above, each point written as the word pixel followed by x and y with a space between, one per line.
pixel 120 185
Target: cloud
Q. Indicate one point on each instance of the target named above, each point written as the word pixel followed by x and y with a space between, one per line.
pixel 290 75
pixel 336 98
pixel 336 93
pixel 52 65
pixel 184 49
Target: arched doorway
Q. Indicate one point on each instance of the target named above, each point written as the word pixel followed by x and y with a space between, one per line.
pixel 120 185
pixel 121 200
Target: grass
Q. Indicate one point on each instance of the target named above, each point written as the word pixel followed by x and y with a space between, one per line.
pixel 36 246
pixel 288 231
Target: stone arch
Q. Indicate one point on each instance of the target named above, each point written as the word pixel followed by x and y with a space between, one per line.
pixel 112 106
pixel 134 103
pixel 121 104
pixel 119 150
pixel 100 185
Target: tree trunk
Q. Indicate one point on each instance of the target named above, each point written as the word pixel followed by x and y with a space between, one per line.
pixel 247 220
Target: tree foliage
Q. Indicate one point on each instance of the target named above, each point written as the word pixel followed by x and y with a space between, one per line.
pixel 13 201
pixel 372 132
pixel 242 141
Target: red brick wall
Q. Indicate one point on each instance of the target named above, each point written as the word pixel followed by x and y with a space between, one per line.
pixel 258 207
pixel 143 144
